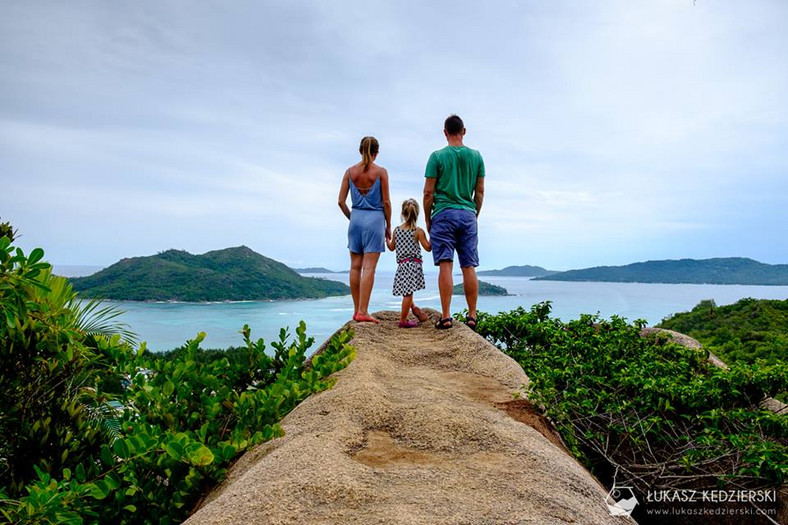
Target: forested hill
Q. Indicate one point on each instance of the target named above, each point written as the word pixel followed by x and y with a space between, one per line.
pixel 745 332
pixel 732 270
pixel 232 274
pixel 519 271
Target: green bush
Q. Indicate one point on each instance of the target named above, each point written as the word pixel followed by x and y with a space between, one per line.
pixel 748 332
pixel 653 413
pixel 6 230
pixel 104 431
pixel 47 369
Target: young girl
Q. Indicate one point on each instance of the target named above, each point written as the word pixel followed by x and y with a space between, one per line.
pixel 409 277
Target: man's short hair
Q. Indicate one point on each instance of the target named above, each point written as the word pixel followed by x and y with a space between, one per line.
pixel 454 125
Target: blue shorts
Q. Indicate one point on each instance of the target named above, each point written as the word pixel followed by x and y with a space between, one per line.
pixel 367 231
pixel 453 229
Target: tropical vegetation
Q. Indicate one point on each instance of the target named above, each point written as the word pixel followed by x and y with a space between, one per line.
pixel 232 274
pixel 644 411
pixel 97 429
pixel 748 332
pixel 7 230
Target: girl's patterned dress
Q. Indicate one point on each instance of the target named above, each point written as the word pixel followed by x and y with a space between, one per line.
pixel 410 275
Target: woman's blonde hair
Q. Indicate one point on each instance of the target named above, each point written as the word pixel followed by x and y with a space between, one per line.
pixel 410 213
pixel 369 148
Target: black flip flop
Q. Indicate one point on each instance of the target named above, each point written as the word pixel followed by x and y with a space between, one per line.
pixel 470 322
pixel 444 324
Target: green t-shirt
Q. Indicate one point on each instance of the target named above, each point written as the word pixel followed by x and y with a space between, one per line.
pixel 456 168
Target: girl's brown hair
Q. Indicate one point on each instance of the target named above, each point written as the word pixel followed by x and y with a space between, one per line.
pixel 410 213
pixel 369 148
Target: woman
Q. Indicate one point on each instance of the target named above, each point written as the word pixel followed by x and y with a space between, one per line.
pixel 370 223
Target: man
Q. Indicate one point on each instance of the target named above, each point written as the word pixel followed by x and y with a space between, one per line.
pixel 453 195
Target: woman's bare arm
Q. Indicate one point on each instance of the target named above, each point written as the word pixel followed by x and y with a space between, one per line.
pixel 344 189
pixel 384 182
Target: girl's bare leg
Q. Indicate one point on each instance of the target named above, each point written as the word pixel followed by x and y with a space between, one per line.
pixel 407 303
pixel 419 313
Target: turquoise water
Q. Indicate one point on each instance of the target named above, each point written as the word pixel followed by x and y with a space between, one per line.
pixel 168 325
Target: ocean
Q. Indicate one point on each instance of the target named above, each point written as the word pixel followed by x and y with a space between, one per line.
pixel 165 326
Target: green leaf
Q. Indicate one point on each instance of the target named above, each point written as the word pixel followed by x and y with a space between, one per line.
pixel 228 452
pixel 168 388
pixel 201 455
pixel 35 255
pixel 113 481
pixel 174 449
pixel 99 490
pixel 80 473
pixel 106 455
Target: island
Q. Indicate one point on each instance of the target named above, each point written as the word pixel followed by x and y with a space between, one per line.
pixel 485 288
pixel 730 270
pixel 519 271
pixel 315 269
pixel 231 274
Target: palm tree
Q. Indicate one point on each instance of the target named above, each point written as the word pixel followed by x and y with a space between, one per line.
pixel 54 368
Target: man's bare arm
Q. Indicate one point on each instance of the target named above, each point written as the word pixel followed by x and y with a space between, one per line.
pixel 478 195
pixel 429 198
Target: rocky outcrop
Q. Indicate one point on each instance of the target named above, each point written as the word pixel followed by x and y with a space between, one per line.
pixel 422 427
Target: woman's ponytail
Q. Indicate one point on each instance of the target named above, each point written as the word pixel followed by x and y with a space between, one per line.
pixel 369 148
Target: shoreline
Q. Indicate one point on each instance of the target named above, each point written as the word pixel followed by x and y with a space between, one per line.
pixel 228 301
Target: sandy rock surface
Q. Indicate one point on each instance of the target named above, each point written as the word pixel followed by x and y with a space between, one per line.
pixel 421 428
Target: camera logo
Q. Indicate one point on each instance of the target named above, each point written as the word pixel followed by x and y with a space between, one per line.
pixel 621 501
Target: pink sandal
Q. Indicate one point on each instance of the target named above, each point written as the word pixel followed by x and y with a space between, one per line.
pixel 408 324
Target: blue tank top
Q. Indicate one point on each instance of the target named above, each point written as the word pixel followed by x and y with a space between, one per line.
pixel 373 200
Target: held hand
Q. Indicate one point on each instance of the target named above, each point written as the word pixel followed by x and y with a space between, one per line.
pixel 388 232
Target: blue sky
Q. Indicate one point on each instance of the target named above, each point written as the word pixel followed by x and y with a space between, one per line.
pixel 612 131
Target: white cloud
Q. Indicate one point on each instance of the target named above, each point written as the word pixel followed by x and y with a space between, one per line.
pixel 611 130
